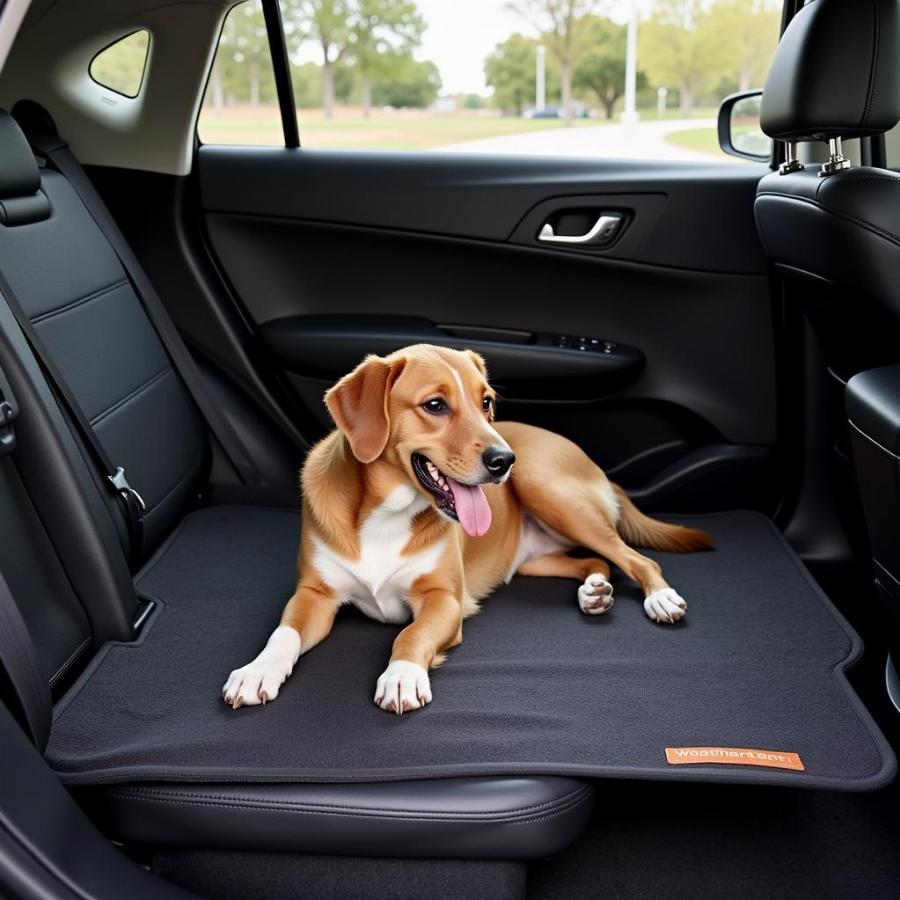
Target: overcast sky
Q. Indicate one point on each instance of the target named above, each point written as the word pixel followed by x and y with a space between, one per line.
pixel 461 33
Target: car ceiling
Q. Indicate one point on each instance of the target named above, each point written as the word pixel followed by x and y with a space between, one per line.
pixel 49 63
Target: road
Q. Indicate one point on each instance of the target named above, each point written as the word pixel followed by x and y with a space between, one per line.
pixel 642 140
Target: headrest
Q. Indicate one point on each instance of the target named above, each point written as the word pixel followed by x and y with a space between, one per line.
pixel 836 72
pixel 21 198
pixel 19 173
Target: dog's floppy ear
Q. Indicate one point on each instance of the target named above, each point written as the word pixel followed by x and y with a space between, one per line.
pixel 478 359
pixel 358 403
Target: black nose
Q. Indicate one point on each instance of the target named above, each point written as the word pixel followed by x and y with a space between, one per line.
pixel 498 460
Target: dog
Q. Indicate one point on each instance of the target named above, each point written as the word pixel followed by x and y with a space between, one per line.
pixel 419 505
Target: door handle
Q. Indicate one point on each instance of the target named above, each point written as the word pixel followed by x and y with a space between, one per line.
pixel 602 232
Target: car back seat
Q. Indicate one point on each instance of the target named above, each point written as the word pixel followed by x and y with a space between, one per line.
pixel 84 308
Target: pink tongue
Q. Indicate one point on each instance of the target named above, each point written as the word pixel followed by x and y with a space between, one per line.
pixel 471 507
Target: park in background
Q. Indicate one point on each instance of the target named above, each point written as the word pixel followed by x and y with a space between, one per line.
pixel 370 88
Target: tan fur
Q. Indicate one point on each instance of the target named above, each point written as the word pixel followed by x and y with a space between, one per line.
pixel 642 531
pixel 378 409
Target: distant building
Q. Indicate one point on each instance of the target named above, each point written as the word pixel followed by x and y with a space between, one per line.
pixel 445 105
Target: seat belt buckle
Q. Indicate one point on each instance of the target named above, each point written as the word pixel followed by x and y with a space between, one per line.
pixel 8 415
pixel 120 482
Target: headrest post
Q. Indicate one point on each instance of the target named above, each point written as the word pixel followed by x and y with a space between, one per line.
pixel 791 162
pixel 837 162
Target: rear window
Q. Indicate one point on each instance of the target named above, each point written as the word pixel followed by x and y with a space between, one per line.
pixel 120 66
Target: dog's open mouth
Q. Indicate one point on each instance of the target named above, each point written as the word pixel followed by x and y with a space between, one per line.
pixel 464 503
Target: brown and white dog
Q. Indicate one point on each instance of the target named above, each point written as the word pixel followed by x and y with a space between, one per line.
pixel 416 455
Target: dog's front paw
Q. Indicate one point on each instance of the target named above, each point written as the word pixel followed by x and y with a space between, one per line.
pixel 665 606
pixel 261 680
pixel 595 596
pixel 402 687
pixel 257 682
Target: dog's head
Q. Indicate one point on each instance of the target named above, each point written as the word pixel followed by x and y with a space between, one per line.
pixel 427 411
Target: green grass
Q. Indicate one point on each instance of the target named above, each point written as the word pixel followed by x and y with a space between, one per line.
pixel 399 130
pixel 703 140
pixel 673 112
pixel 383 131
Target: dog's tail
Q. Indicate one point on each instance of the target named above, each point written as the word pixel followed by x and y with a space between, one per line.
pixel 642 531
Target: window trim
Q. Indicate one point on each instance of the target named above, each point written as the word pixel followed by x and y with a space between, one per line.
pixel 281 67
pixel 119 40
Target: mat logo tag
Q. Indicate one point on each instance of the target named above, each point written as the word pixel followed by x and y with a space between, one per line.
pixel 733 756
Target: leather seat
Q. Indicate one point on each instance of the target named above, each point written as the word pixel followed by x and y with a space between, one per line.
pixel 73 288
pixel 459 818
pixel 836 235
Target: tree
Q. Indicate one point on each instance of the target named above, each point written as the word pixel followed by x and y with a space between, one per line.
pixel 601 69
pixel 562 24
pixel 307 83
pixel 380 27
pixel 406 82
pixel 327 23
pixel 510 71
pixel 749 30
pixel 679 48
pixel 243 64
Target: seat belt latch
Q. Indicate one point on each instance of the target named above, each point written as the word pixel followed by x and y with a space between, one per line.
pixel 8 415
pixel 120 482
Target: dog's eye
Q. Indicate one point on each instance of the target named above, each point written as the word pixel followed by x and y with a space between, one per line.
pixel 487 404
pixel 434 406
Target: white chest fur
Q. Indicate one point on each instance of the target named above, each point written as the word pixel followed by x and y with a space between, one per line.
pixel 378 582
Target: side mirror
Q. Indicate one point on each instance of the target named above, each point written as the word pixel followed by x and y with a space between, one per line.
pixel 739 131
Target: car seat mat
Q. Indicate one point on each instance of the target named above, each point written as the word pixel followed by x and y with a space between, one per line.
pixel 536 687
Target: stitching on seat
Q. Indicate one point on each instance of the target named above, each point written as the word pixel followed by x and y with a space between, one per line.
pixel 520 821
pixel 561 805
pixel 72 304
pixel 194 799
pixel 874 70
pixel 122 401
pixel 151 793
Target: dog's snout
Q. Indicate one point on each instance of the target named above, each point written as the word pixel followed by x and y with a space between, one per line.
pixel 498 460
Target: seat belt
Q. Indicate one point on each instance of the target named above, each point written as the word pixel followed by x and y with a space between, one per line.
pixel 56 151
pixel 113 476
pixel 19 659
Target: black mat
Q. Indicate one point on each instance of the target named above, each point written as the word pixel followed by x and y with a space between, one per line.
pixel 536 687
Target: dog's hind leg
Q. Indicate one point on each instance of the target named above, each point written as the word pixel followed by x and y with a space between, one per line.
pixel 595 594
pixel 580 504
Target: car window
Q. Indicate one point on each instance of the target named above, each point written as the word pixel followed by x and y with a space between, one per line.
pixel 498 76
pixel 120 66
pixel 241 104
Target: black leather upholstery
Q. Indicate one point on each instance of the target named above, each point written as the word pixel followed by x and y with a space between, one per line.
pixel 76 293
pixel 844 228
pixel 458 818
pixel 19 174
pixel 836 72
pixel 21 199
pixel 873 406
pixel 842 234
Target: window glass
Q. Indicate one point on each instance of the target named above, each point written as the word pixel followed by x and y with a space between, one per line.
pixel 509 76
pixel 120 66
pixel 241 105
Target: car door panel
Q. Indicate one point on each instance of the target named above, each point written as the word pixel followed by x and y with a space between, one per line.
pixel 386 249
